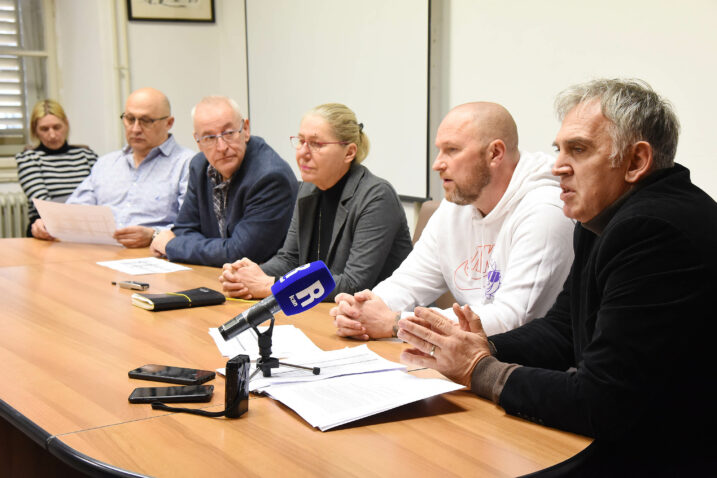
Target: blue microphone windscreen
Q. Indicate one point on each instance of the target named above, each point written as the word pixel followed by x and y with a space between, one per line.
pixel 303 288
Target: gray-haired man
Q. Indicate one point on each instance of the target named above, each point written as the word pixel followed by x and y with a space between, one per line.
pixel 624 355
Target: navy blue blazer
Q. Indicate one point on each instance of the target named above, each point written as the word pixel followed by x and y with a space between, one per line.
pixel 260 200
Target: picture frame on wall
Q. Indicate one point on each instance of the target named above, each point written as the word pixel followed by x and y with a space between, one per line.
pixel 171 10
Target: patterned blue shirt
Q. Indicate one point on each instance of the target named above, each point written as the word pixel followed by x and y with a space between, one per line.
pixel 149 195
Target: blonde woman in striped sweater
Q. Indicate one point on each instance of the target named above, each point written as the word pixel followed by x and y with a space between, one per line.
pixel 52 169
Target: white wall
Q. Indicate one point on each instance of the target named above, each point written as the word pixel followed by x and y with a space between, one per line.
pixel 88 81
pixel 188 61
pixel 521 53
pixel 184 60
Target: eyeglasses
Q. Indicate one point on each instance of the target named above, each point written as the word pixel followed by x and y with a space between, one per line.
pixel 144 122
pixel 210 140
pixel 314 146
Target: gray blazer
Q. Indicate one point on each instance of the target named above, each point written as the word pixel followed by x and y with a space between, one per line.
pixel 370 236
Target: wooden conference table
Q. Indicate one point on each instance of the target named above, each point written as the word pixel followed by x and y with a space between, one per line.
pixel 68 338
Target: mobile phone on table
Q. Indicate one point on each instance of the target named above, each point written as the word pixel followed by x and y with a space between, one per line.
pixel 184 393
pixel 169 374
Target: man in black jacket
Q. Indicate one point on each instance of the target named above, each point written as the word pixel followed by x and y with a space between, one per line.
pixel 624 353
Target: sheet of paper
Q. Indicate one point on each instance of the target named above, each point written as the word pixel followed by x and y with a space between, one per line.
pixel 77 222
pixel 332 363
pixel 329 403
pixel 286 340
pixel 144 265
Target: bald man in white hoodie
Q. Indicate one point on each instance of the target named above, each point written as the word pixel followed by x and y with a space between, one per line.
pixel 498 242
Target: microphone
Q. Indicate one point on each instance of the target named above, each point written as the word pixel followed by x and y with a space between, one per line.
pixel 293 293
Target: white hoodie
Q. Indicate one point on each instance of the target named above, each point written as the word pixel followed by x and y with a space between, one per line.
pixel 509 265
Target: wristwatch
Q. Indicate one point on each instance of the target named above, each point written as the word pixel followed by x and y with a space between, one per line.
pixel 155 233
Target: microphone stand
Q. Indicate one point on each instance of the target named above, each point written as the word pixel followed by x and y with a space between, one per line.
pixel 266 362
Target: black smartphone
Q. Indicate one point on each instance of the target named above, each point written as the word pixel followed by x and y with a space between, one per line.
pixel 166 373
pixel 186 393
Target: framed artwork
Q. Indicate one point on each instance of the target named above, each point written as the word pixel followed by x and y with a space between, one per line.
pixel 171 10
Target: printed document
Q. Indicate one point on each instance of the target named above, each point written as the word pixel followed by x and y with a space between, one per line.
pixel 332 363
pixel 330 403
pixel 286 340
pixel 144 265
pixel 77 222
pixel 353 383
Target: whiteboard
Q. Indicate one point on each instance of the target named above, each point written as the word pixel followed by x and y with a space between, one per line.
pixel 370 55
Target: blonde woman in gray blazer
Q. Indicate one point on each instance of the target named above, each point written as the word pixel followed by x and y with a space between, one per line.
pixel 344 215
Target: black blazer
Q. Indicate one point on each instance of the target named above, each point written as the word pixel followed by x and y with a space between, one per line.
pixel 370 235
pixel 636 317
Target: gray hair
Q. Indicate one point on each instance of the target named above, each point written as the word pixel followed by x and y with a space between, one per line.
pixel 636 113
pixel 217 99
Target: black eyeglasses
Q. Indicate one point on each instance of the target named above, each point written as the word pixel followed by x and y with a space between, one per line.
pixel 144 121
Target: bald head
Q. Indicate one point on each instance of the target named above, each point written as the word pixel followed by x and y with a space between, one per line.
pixel 217 102
pixel 477 154
pixel 151 97
pixel 147 120
pixel 490 121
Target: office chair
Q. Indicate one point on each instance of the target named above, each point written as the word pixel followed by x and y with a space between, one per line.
pixel 427 209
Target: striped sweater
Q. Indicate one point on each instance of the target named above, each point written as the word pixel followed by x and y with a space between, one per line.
pixel 52 174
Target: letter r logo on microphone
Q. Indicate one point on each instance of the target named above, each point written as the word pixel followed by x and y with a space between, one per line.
pixel 300 268
pixel 314 291
pixel 303 288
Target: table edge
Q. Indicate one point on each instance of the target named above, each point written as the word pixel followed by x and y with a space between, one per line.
pixel 56 447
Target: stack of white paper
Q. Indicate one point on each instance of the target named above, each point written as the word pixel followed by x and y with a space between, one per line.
pixel 329 403
pixel 333 363
pixel 353 383
pixel 286 340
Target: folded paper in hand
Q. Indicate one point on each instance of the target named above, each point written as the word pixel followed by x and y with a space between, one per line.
pixel 178 300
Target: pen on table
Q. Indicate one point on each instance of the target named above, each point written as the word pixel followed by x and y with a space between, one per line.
pixel 130 284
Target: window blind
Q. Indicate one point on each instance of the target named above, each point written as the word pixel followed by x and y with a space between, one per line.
pixel 12 104
pixel 23 59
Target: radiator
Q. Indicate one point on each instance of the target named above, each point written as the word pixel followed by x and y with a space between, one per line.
pixel 13 214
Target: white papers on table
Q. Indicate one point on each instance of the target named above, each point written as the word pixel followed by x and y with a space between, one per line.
pixel 286 340
pixel 329 403
pixel 333 363
pixel 77 222
pixel 144 265
pixel 354 382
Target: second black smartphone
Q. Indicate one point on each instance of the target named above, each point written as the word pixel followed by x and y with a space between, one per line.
pixel 187 393
pixel 169 374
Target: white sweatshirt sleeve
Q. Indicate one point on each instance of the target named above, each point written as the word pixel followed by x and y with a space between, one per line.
pixel 419 279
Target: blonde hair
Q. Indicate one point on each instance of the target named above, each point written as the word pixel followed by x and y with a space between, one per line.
pixel 345 126
pixel 43 108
